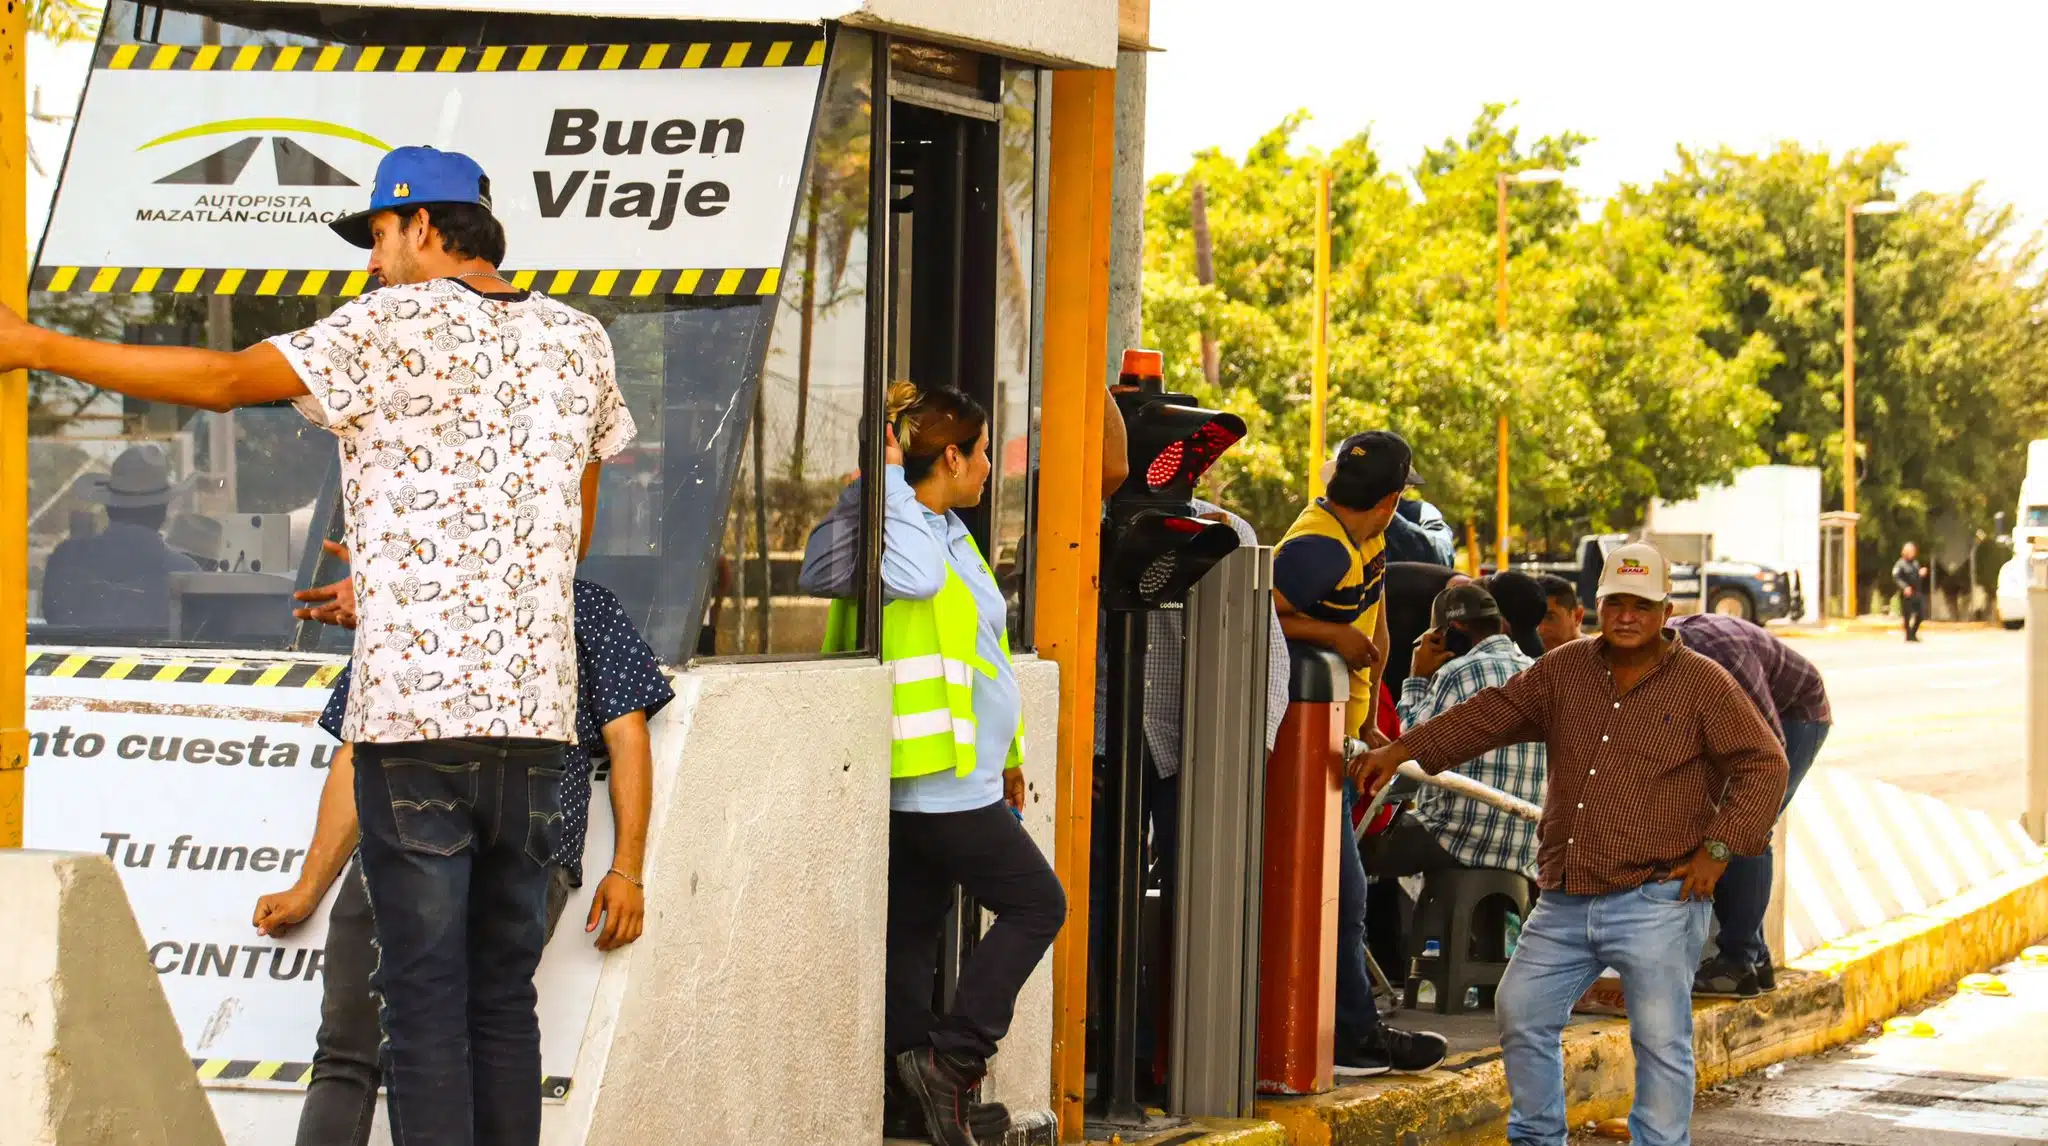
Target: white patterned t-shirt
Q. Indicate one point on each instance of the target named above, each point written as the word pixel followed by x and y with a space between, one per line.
pixel 466 423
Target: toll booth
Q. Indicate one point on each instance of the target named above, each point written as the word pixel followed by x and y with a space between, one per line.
pixel 776 210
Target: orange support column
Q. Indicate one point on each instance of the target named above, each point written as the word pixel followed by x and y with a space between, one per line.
pixel 1298 900
pixel 1068 541
pixel 13 426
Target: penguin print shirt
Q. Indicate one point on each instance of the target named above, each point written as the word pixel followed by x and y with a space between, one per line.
pixel 466 422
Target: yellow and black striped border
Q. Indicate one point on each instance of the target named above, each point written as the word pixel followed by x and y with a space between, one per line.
pixel 175 670
pixel 700 282
pixel 800 53
pixel 300 1073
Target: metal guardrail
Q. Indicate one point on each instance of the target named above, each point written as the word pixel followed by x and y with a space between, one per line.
pixel 1449 781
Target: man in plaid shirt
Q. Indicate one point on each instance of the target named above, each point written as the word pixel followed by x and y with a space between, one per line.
pixel 1465 652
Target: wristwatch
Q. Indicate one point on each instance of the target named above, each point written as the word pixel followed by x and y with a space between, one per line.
pixel 1717 850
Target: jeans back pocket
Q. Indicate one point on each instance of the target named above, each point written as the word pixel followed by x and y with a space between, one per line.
pixel 544 813
pixel 433 803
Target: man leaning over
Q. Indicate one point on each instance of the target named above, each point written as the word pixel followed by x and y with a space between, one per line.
pixel 1329 586
pixel 620 686
pixel 473 417
pixel 1660 770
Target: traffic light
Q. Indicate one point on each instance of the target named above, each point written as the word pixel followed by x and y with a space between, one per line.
pixel 1154 547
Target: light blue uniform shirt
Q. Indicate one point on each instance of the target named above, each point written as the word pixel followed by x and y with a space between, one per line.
pixel 917 547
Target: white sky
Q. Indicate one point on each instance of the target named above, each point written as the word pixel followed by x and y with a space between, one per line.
pixel 1959 82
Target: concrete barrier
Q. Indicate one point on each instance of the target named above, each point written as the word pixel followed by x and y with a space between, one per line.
pixel 89 1053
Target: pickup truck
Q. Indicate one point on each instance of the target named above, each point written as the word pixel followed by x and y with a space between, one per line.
pixel 1743 589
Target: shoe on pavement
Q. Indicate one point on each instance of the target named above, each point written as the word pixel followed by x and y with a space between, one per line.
pixel 1388 1049
pixel 989 1120
pixel 1720 978
pixel 943 1086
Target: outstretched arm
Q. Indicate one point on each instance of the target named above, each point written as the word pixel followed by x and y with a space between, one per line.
pixel 208 379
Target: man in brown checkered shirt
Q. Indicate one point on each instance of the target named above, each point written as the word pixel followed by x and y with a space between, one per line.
pixel 1660 770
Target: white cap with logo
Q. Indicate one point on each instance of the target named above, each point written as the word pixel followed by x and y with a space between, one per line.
pixel 1636 570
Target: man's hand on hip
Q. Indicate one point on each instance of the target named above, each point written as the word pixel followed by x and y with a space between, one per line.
pixel 1700 874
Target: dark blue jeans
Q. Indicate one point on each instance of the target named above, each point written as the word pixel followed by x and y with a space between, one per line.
pixel 1358 1017
pixel 457 837
pixel 1744 893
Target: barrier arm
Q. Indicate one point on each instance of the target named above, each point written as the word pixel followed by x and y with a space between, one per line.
pixel 1464 786
pixel 13 427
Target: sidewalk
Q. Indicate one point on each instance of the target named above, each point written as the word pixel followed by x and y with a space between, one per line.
pixel 1872 625
pixel 1827 998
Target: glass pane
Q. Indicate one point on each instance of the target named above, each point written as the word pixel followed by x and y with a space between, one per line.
pixel 147 521
pixel 803 444
pixel 149 529
pixel 1010 437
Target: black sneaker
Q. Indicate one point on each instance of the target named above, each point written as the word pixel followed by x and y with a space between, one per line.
pixel 1766 976
pixel 989 1121
pixel 1720 978
pixel 942 1085
pixel 1409 1052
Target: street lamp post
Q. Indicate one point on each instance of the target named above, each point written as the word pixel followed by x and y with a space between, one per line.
pixel 1850 603
pixel 1501 183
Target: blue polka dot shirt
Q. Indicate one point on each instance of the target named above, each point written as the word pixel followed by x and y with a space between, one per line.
pixel 616 675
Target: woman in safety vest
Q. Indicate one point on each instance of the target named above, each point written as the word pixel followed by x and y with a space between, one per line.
pixel 957 751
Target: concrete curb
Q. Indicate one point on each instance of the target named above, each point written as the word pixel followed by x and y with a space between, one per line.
pixel 1827 998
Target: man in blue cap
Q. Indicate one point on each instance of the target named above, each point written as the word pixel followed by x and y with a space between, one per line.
pixel 473 417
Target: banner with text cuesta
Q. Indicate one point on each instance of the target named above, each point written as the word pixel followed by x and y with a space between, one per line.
pixel 632 167
pixel 204 796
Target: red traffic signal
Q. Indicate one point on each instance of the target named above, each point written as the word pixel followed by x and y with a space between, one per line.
pixel 1155 549
pixel 1172 442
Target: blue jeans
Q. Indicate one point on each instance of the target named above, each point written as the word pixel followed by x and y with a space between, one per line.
pixel 1357 1017
pixel 1653 938
pixel 457 840
pixel 1744 892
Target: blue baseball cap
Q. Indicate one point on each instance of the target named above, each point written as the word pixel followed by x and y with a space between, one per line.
pixel 417 177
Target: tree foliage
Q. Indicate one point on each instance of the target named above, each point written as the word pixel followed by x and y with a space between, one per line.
pixel 1950 349
pixel 1684 331
pixel 65 21
pixel 1612 384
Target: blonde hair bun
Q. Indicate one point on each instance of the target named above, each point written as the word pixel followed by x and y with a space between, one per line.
pixel 902 396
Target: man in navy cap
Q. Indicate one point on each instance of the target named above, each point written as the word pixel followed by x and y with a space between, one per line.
pixel 473 417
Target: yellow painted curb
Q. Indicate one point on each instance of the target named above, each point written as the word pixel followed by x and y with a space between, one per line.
pixel 1828 997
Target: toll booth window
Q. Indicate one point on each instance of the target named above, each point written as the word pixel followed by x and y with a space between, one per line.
pixel 158 525
pixel 803 427
pixel 152 523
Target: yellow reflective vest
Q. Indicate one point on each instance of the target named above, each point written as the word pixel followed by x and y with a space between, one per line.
pixel 930 649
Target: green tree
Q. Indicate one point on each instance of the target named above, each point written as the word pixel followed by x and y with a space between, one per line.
pixel 65 21
pixel 1950 349
pixel 1623 375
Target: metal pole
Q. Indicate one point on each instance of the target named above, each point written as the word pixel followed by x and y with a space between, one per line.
pixel 1127 748
pixel 1500 322
pixel 1319 404
pixel 2037 696
pixel 1849 595
pixel 13 427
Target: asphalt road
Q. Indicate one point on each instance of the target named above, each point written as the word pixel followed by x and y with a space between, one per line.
pixel 1943 717
pixel 1978 1081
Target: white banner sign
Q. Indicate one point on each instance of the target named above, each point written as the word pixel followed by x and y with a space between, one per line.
pixel 660 168
pixel 204 797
